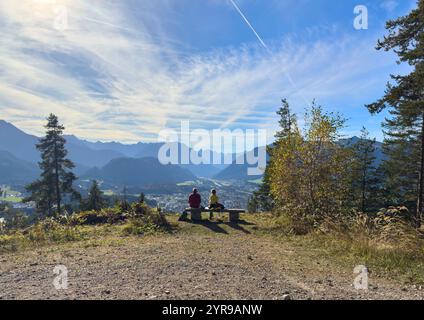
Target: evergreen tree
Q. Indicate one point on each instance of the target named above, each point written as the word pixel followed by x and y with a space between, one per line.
pixel 95 200
pixel 286 122
pixel 252 205
pixel 404 98
pixel 263 197
pixel 124 204
pixel 142 198
pixel 2 208
pixel 56 180
pixel 363 171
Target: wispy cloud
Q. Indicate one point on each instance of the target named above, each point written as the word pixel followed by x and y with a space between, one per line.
pixel 112 77
pixel 389 5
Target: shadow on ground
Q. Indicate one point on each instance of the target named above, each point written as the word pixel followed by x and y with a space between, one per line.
pixel 238 226
pixel 216 226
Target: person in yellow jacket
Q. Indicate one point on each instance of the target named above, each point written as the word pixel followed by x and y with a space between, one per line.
pixel 214 203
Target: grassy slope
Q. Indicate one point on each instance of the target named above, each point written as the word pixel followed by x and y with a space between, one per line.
pixel 12 199
pixel 337 250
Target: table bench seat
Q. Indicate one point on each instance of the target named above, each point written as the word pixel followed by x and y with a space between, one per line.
pixel 196 214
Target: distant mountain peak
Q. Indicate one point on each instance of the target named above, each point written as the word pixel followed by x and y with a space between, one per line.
pixel 5 123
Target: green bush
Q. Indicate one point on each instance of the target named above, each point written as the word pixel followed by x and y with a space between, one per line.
pixel 11 242
pixel 51 230
pixel 137 219
pixel 144 220
pixel 104 216
pixel 295 220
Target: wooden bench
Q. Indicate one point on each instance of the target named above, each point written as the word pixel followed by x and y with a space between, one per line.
pixel 196 214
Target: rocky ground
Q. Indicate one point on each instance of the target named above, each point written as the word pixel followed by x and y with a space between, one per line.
pixel 209 261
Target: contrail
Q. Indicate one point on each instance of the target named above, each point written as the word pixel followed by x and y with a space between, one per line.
pixel 249 24
pixel 107 24
pixel 289 77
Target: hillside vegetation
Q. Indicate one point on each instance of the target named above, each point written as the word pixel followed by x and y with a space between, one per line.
pixel 113 255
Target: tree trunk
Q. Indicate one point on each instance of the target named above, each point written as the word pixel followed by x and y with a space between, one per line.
pixel 421 178
pixel 363 187
pixel 57 182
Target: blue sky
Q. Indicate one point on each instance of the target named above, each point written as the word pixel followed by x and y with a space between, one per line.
pixel 124 70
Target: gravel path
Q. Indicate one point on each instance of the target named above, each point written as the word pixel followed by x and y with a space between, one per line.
pixel 212 265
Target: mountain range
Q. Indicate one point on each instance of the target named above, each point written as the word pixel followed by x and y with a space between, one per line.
pixel 139 172
pixel 117 163
pixel 16 171
pixel 96 160
pixel 239 172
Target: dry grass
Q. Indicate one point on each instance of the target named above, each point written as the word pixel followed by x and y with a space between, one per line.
pixel 401 257
pixel 392 250
pixel 90 227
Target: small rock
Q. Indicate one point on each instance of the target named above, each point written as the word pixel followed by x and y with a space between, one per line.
pixel 33 264
pixel 107 292
pixel 167 292
pixel 286 297
pixel 250 257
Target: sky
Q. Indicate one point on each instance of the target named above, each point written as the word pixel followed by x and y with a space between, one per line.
pixel 123 70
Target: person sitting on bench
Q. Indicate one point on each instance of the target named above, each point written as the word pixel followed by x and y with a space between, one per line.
pixel 194 201
pixel 214 203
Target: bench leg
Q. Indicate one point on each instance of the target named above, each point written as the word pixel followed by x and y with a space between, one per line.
pixel 234 216
pixel 196 216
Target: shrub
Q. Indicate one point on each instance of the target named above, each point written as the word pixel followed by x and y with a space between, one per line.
pixel 11 242
pixel 103 216
pixel 51 230
pixel 139 219
pixel 294 220
pixel 145 220
pixel 395 227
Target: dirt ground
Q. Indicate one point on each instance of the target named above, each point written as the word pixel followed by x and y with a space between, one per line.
pixel 203 261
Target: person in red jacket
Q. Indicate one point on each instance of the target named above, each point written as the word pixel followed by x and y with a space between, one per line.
pixel 195 200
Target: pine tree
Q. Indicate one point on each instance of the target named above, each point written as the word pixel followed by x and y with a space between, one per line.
pixel 363 170
pixel 124 204
pixel 286 122
pixel 142 198
pixel 263 197
pixel 95 199
pixel 252 205
pixel 404 98
pixel 56 180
